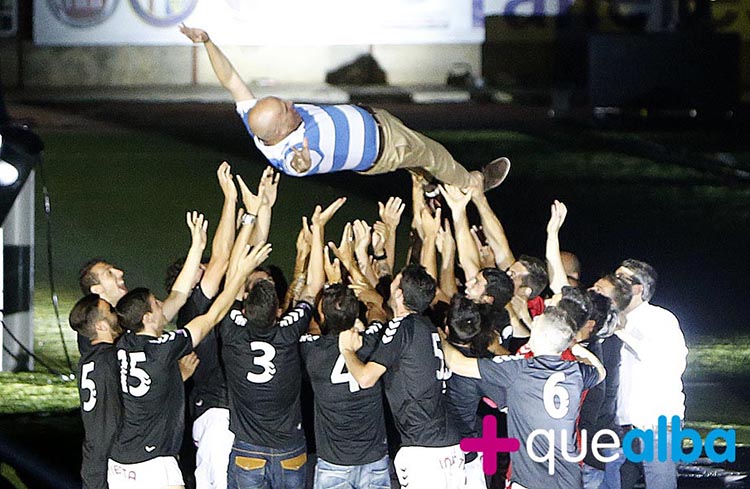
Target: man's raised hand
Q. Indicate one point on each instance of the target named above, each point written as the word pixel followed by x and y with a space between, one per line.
pixel 226 181
pixel 198 226
pixel 194 34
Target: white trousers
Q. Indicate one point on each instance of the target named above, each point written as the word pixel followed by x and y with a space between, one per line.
pixel 157 473
pixel 430 468
pixel 214 441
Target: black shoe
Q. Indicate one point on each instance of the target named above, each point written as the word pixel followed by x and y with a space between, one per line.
pixel 430 190
pixel 495 172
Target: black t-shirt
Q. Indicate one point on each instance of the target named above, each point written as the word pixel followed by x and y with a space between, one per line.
pixel 209 384
pixel 101 410
pixel 415 380
pixel 153 395
pixel 349 420
pixel 463 396
pixel 264 376
pixel 544 393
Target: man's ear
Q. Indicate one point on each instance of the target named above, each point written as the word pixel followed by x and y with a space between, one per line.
pixel 101 326
pixel 525 291
pixel 96 289
pixel 638 290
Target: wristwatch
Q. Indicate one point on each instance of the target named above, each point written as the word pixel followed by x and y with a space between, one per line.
pixel 248 219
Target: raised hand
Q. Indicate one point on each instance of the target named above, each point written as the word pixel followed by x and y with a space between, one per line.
pixel 558 212
pixel 194 34
pixel 390 213
pixel 456 198
pixel 304 238
pixel 362 236
pixel 345 251
pixel 329 211
pixel 269 182
pixel 198 226
pixel 255 257
pixel 379 237
pixel 332 268
pixel 252 202
pixel 430 223
pixel 226 181
pixel 366 293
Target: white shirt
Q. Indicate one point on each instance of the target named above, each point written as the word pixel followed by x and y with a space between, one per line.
pixel 653 359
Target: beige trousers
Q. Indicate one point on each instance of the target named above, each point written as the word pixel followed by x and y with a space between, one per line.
pixel 405 148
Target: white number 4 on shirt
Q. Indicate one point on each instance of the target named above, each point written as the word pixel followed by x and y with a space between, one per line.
pixel 338 376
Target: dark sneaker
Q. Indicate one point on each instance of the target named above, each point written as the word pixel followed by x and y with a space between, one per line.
pixel 430 190
pixel 495 172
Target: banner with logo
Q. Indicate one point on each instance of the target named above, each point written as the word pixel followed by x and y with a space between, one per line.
pixel 259 22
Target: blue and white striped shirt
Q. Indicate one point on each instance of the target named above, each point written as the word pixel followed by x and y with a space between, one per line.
pixel 340 137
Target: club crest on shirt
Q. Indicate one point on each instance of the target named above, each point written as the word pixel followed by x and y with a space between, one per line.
pixel 82 13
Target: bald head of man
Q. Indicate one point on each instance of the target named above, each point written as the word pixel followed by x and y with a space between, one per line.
pixel 272 119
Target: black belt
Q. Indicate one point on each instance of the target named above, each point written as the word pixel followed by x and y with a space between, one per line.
pixel 381 134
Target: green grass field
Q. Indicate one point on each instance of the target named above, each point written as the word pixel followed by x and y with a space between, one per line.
pixel 123 194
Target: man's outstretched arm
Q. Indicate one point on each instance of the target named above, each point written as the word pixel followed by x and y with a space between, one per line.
pixel 223 69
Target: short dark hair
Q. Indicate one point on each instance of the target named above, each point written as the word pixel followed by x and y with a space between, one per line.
pixel 499 285
pixel 463 320
pixel 280 283
pixel 603 313
pixel 644 274
pixel 537 278
pixel 340 308
pixel 622 292
pixel 261 305
pixel 132 307
pixel 84 315
pixel 418 288
pixel 86 278
pixel 577 305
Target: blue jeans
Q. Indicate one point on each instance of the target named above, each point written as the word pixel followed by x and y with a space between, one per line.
pixel 257 467
pixel 592 477
pixel 612 469
pixel 374 475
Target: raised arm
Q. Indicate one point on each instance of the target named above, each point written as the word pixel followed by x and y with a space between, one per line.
pixel 446 246
pixel 185 281
pixel 316 275
pixel 468 255
pixel 428 256
pixel 223 69
pixel 267 192
pixel 221 247
pixel 372 300
pixel 362 239
pixel 381 263
pixel 242 263
pixel 390 215
pixel 493 229
pixel 557 276
pixel 299 276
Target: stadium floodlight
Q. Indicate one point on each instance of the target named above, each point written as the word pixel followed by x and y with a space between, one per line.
pixel 20 151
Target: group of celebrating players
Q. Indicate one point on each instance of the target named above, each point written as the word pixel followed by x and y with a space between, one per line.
pixel 458 333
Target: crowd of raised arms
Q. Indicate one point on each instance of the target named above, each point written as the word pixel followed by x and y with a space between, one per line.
pixel 402 358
